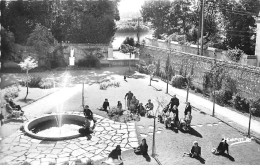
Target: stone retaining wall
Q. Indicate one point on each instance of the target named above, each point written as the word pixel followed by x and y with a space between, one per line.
pixel 247 77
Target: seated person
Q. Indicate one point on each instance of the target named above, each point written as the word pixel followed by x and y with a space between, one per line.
pixel 114 157
pixel 170 117
pixel 12 112
pixel 86 130
pixel 141 110
pixel 119 106
pixel 188 119
pixel 149 107
pixel 222 147
pixel 14 106
pixel 195 150
pixel 105 106
pixel 142 148
pixel 88 113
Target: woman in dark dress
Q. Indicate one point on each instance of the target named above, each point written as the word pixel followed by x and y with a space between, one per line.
pixel 116 153
pixel 142 148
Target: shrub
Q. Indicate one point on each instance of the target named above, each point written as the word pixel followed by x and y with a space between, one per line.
pixel 240 103
pixel 219 97
pixel 234 54
pixel 46 84
pixel 256 104
pixel 90 61
pixel 33 82
pixel 178 81
pixel 11 92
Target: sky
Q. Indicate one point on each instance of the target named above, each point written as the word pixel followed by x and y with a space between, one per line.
pixel 129 7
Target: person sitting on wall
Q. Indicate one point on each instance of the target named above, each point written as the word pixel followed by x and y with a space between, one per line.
pixel 14 106
pixel 87 129
pixel 13 112
pixel 89 114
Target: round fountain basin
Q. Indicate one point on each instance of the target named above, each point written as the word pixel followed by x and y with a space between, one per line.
pixel 55 127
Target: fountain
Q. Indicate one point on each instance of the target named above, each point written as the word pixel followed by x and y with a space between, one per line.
pixel 48 128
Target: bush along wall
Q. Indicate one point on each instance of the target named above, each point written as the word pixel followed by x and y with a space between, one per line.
pixel 235 84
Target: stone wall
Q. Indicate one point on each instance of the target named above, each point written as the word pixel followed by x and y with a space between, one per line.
pixel 247 77
pixel 81 51
pixel 193 49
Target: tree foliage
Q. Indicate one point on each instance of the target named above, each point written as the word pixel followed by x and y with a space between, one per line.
pixel 227 23
pixel 74 21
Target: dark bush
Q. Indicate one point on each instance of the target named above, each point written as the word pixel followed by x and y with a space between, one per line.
pixel 90 61
pixel 256 104
pixel 219 97
pixel 240 103
pixel 178 81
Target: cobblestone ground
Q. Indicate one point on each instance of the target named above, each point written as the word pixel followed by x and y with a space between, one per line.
pixel 19 148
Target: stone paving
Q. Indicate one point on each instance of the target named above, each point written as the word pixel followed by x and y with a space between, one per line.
pixel 19 148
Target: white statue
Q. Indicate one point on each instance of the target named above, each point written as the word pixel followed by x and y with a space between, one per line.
pixel 72 52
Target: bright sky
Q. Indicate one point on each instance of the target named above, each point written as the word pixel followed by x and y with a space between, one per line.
pixel 129 6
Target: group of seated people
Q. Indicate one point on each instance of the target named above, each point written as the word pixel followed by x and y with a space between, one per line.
pixel 171 114
pixel 13 109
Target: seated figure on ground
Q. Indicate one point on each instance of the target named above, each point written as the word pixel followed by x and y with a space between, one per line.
pixel 12 112
pixel 169 118
pixel 105 105
pixel 142 149
pixel 141 110
pixel 195 150
pixel 87 129
pixel 222 148
pixel 149 108
pixel 119 106
pixel 114 158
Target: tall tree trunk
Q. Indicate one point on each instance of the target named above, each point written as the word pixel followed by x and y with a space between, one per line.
pixel 167 83
pixel 150 80
pixel 27 88
pixel 188 89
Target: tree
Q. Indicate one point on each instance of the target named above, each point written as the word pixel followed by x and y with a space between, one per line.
pixel 167 70
pixel 151 68
pixel 75 21
pixel 28 64
pixel 240 23
pixel 43 42
pixel 157 13
pixel 7 44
